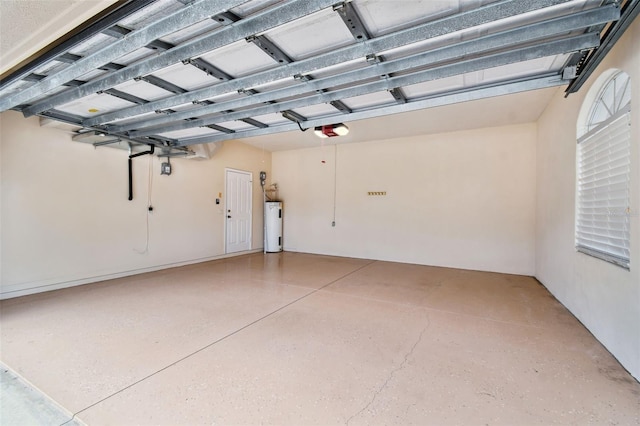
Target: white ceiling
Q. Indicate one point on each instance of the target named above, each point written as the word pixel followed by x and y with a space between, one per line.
pixel 499 111
pixel 28 25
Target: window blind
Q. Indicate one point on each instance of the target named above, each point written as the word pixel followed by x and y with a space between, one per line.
pixel 604 178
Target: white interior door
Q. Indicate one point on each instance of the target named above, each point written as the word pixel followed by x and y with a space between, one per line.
pixel 238 211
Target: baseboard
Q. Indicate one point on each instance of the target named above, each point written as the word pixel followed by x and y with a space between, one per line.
pixel 25 289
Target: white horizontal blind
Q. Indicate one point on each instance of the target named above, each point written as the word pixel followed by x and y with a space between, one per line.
pixel 604 178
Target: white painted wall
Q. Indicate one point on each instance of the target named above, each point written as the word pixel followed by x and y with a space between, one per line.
pixel 66 219
pixel 463 199
pixel 606 298
pixel 30 25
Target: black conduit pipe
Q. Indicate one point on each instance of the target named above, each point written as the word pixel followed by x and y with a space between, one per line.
pixel 150 152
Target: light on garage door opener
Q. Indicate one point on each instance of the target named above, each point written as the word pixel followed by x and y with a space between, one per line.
pixel 331 130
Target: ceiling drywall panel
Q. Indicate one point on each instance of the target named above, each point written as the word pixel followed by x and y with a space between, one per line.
pixel 493 112
pixel 30 25
pixel 193 69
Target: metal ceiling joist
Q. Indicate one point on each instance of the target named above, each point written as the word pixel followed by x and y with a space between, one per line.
pixel 630 12
pixel 220 128
pixel 68 58
pixel 194 12
pixel 226 18
pixel 116 31
pixel 493 11
pixel 340 106
pixel 126 96
pixel 556 47
pixel 34 77
pixel 160 45
pixel 270 49
pixel 352 20
pixel 109 18
pixel 267 46
pixel 293 116
pixel 65 117
pixel 466 95
pixel 111 66
pixel 163 84
pixel 493 42
pixel 211 70
pixel 254 123
pixel 398 95
pixel 260 22
pixel 74 83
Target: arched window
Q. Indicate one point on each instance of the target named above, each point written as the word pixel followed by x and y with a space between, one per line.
pixel 604 172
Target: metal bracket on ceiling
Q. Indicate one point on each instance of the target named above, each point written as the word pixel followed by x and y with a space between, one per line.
pixel 220 128
pixel 352 20
pixel 341 106
pixel 250 92
pixel 226 18
pixel 270 48
pixel 254 123
pixel 588 63
pixel 205 66
pixel 125 96
pixel 202 103
pixel 570 72
pixel 68 58
pixel 163 84
pixel 398 95
pixel 293 116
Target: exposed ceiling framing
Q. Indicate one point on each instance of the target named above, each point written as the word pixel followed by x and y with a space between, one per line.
pixel 175 73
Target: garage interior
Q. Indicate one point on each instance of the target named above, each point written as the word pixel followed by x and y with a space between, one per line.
pixel 426 154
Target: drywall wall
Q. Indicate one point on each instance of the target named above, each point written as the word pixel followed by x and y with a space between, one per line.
pixel 606 298
pixel 463 199
pixel 28 26
pixel 66 218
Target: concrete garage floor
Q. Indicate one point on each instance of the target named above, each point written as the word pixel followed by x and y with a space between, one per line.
pixel 303 339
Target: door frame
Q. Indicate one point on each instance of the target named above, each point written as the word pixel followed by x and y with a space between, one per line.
pixel 226 203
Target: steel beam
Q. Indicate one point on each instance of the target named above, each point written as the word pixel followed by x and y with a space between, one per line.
pixel 63 116
pixel 466 95
pixel 34 77
pixel 116 31
pixel 493 42
pixel 111 66
pixel 254 123
pixel 270 48
pixel 260 22
pixel 570 44
pixel 613 34
pixel 226 18
pixel 163 84
pixel 398 95
pixel 493 11
pixel 68 58
pixel 267 46
pixel 352 20
pixel 294 116
pixel 220 128
pixel 126 96
pixel 191 14
pixel 340 106
pixel 211 70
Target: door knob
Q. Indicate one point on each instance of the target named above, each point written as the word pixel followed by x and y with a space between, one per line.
pixel 228 217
